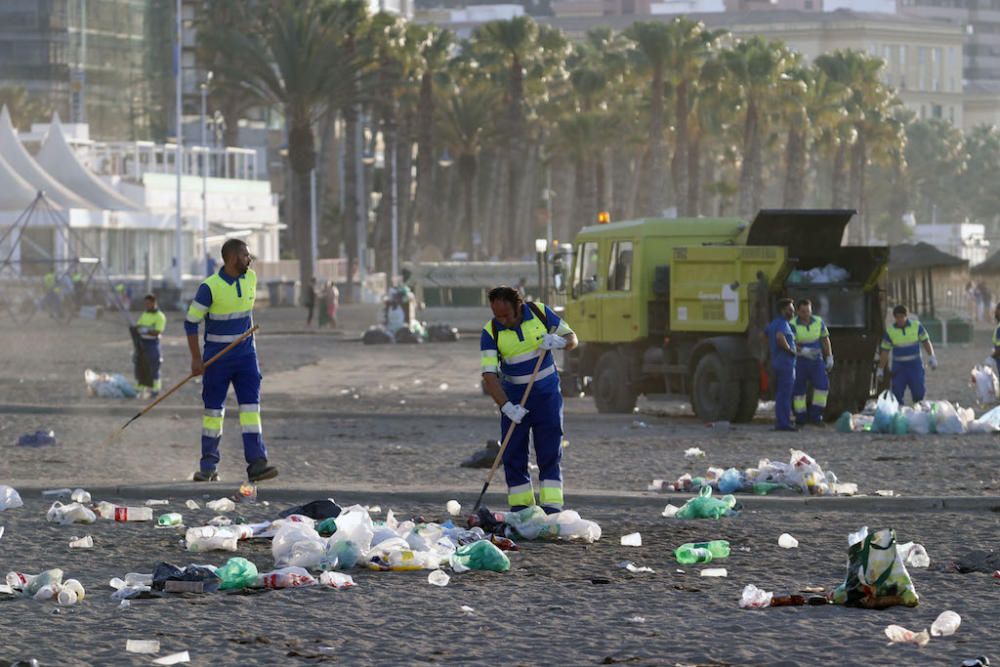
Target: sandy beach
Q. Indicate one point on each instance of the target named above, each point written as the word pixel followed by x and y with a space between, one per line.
pixel 388 426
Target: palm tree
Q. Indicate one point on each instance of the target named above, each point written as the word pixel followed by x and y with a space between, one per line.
pixel 466 123
pixel 24 108
pixel 653 48
pixel 294 58
pixel 756 66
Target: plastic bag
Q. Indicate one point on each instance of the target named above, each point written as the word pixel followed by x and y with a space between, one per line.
pixel 9 498
pixel 886 408
pixel 844 423
pixel 947 419
pixel 876 576
pixel 104 385
pixel 355 524
pixel 704 506
pixel 164 572
pixel 298 545
pixel 731 480
pixel 533 523
pixel 984 378
pixel 237 573
pixel 918 420
pixel 988 419
pixel 481 555
pixel 755 598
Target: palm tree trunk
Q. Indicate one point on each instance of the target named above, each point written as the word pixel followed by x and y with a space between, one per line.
pixel 350 213
pixel 562 202
pixel 693 194
pixel 705 196
pixel 464 230
pixel 654 180
pixel 859 233
pixel 302 157
pixel 751 148
pixel 425 156
pixel 404 189
pixel 515 154
pixel 795 168
pixel 496 212
pixel 839 175
pixel 680 163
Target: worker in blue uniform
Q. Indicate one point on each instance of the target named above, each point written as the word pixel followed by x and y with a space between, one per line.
pixel 150 326
pixel 904 339
pixel 225 302
pixel 814 359
pixel 510 345
pixel 781 344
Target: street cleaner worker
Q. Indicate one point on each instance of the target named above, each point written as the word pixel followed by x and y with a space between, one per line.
pixel 814 359
pixel 781 344
pixel 225 301
pixel 150 326
pixel 904 339
pixel 510 345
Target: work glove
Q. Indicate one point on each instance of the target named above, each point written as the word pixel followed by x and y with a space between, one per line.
pixel 143 330
pixel 829 363
pixel 515 413
pixel 552 342
pixel 808 353
pixel 932 362
pixel 879 374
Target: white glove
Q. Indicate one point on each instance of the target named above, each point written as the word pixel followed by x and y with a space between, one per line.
pixel 829 363
pixel 552 342
pixel 143 330
pixel 515 413
pixel 808 353
pixel 879 374
pixel 932 362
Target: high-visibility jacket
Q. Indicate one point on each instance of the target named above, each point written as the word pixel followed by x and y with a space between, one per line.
pixel 154 321
pixel 904 342
pixel 226 305
pixel 512 353
pixel 811 334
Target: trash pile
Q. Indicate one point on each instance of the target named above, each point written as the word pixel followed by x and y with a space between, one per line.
pixel 942 417
pixel 48 585
pixel 108 385
pixel 820 275
pixel 984 379
pixel 801 475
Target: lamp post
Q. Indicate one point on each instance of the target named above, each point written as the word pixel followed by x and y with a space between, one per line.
pixel 204 168
pixel 541 245
pixel 179 110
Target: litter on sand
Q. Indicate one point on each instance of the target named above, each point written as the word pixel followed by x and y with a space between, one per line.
pixel 801 475
pixel 897 634
pixel 925 417
pixel 105 385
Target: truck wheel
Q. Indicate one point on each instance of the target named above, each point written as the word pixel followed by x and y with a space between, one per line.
pixel 612 392
pixel 749 398
pixel 714 395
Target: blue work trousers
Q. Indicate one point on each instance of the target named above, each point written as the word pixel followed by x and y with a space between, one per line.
pixel 151 350
pixel 544 421
pixel 810 373
pixel 244 374
pixel 908 374
pixel 784 383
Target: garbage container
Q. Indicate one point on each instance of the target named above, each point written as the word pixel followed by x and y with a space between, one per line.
pixel 274 292
pixel 289 296
pixel 933 327
pixel 959 330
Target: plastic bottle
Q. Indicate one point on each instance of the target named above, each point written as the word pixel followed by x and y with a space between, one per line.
pixel 49 578
pixel 701 552
pixel 81 542
pixel 946 624
pixel 210 538
pixel 286 577
pixel 170 519
pixel 120 513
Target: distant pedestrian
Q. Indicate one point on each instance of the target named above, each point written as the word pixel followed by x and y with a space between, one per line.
pixel 332 303
pixel 309 300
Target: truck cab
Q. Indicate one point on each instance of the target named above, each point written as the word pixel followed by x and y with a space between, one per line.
pixel 679 307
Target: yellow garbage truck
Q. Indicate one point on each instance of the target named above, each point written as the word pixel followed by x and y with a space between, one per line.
pixel 679 307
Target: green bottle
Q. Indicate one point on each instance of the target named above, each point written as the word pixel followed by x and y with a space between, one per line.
pixel 701 552
pixel 170 519
pixel 764 488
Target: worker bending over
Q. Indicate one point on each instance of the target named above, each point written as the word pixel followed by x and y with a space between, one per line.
pixel 510 345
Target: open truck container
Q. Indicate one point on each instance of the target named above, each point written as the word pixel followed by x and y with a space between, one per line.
pixel 680 307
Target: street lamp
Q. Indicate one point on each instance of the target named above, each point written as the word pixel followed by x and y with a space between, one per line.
pixel 541 245
pixel 204 169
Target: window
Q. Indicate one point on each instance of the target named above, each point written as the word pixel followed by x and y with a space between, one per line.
pixel 585 277
pixel 936 110
pixel 620 267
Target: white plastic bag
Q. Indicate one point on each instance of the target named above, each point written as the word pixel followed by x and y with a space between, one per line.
pixel 947 419
pixel 297 545
pixel 885 409
pixel 9 498
pixel 987 386
pixel 917 419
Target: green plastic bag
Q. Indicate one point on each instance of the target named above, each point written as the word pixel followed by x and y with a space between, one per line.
pixel 899 424
pixel 480 555
pixel 327 527
pixel 704 506
pixel 876 576
pixel 845 423
pixel 237 573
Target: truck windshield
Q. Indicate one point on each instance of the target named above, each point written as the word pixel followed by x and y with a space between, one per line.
pixel 585 276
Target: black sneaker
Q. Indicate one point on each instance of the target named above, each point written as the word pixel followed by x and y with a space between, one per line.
pixel 206 476
pixel 258 471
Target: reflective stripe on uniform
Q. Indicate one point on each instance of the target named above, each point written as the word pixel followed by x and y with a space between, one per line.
pixel 250 418
pixel 799 403
pixel 819 397
pixel 525 379
pixel 196 312
pixel 488 361
pixel 910 357
pixel 522 494
pixel 218 338
pixel 231 316
pixel 551 493
pixel 211 423
pixel 518 358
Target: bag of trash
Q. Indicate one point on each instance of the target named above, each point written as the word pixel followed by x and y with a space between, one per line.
pixel 988 419
pixel 704 506
pixel 37 439
pixel 164 572
pixel 730 481
pixel 9 498
pixel 481 555
pixel 298 545
pixel 844 423
pixel 376 335
pixel 355 524
pixel 947 419
pixel 984 378
pixel 876 576
pixel 533 523
pixel 885 409
pixel 899 426
pixel 442 333
pixel 237 573
pixel 918 420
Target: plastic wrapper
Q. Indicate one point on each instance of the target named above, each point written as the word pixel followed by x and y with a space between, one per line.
pixel 481 555
pixel 984 379
pixel 237 573
pixel 704 506
pixel 755 598
pixel 9 498
pixel 533 523
pixel 876 576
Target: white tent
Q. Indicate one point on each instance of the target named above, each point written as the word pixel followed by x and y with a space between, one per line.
pixel 58 159
pixel 16 194
pixel 18 158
